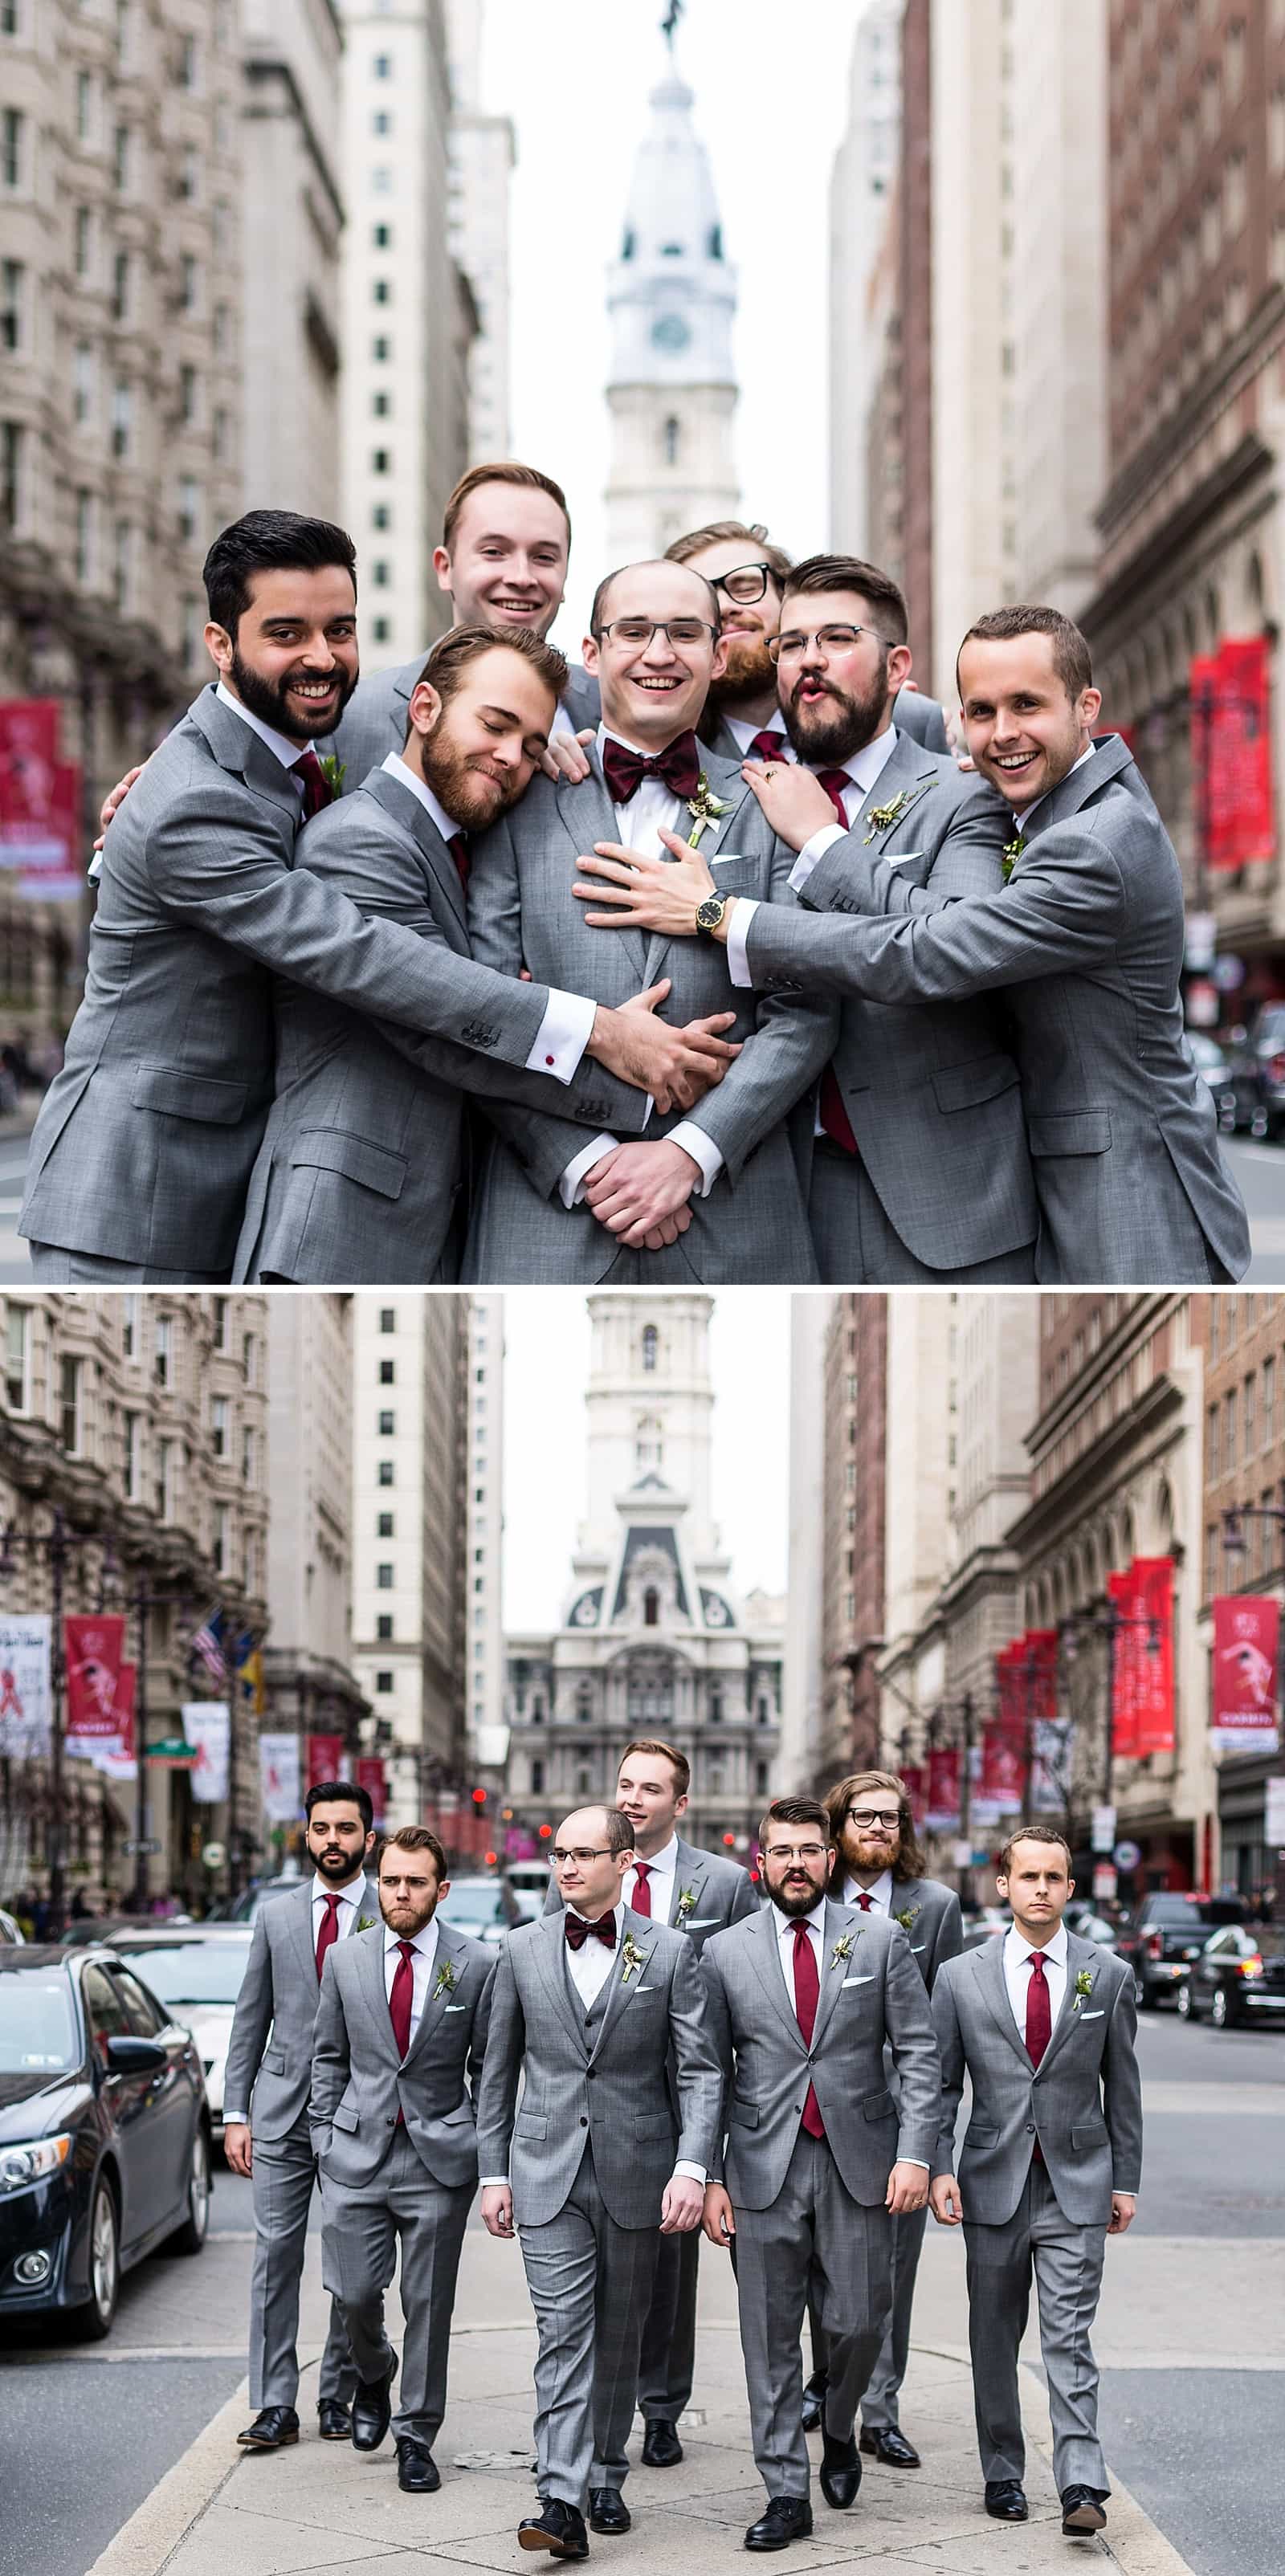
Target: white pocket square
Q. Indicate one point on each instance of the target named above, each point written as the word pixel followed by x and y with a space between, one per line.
pixel 919 1945
pixel 725 858
pixel 1094 2016
pixel 457 2007
pixel 903 858
pixel 698 1922
pixel 860 1981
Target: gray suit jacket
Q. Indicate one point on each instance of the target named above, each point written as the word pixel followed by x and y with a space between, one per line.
pixel 721 1893
pixel 871 1996
pixel 752 1227
pixel 1084 2105
pixel 360 1169
pixel 1086 940
pixel 359 2084
pixel 270 2050
pixel 912 713
pixel 936 1928
pixel 609 2087
pixel 375 719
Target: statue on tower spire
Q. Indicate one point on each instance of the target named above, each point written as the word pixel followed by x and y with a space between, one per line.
pixel 669 23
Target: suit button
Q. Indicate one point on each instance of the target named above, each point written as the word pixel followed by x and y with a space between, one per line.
pixel 1030 2128
pixel 583 2121
pixel 391 2121
pixel 589 2071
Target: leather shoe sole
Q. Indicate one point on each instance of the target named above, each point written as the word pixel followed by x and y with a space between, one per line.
pixel 530 2536
pixel 252 2441
pixel 1084 2517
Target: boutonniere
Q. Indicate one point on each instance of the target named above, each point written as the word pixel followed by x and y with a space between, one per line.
pixel 1083 1987
pixel 686 1905
pixel 365 1923
pixel 703 809
pixel 631 1957
pixel 1010 854
pixel 908 1915
pixel 334 771
pixel 445 1980
pixel 842 1950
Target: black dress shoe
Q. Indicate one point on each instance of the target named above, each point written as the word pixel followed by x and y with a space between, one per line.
pixel 1082 2509
pixel 417 2470
pixel 608 2510
pixel 661 2446
pixel 372 2409
pixel 886 2443
pixel 271 2430
pixel 814 2400
pixel 787 2518
pixel 1005 2500
pixel 557 2527
pixel 334 2422
pixel 840 2472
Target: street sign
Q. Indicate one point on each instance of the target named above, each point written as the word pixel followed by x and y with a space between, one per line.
pixel 213 1855
pixel 1104 1878
pixel 151 1845
pixel 961 1855
pixel 1274 1820
pixel 1127 1855
pixel 1103 1828
pixel 1201 932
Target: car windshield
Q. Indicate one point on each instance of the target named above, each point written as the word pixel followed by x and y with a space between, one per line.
pixel 38 2034
pixel 473 1900
pixel 189 1972
pixel 1174 1909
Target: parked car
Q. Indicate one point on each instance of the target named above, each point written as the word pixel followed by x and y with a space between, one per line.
pixel 1219 1080
pixel 1239 1977
pixel 9 1930
pixel 1266 1051
pixel 984 1925
pixel 104 2133
pixel 1250 1084
pixel 243 1908
pixel 485 1908
pixel 1167 1933
pixel 530 1881
pixel 197 1975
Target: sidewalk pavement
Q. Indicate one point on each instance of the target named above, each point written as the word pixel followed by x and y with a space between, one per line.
pixel 317 2506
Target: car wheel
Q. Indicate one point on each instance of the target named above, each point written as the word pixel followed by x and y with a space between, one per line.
pixel 93 2319
pixel 1258 1125
pixel 191 2236
pixel 1218 2013
pixel 1142 1995
pixel 1186 2008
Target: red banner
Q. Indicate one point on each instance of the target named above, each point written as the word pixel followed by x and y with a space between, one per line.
pixel 943 1787
pixel 325 1753
pixel 93 1649
pixel 915 1777
pixel 40 803
pixel 1142 1702
pixel 1124 1671
pixel 1243 1681
pixel 1230 700
pixel 370 1776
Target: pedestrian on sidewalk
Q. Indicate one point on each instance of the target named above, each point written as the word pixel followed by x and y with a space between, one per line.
pixel 1044 2026
pixel 401 2028
pixel 266 2086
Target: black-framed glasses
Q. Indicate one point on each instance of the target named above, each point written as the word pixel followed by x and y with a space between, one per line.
pixel 638 632
pixel 888 1817
pixel 795 1851
pixel 581 1858
pixel 745 583
pixel 827 639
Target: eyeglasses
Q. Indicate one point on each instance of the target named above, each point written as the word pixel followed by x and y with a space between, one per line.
pixel 635 632
pixel 581 1858
pixel 827 639
pixel 747 583
pixel 794 1851
pixel 888 1817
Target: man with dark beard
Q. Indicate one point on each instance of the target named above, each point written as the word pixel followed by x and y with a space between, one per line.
pixel 917 1156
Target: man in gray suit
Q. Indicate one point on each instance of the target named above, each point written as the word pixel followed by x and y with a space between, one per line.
pixel 1085 940
pixel 698 1892
pixel 915 1146
pixel 401 2030
pixel 879 1868
pixel 1043 2025
pixel 818 2158
pixel 266 2086
pixel 552 1208
pixel 604 2154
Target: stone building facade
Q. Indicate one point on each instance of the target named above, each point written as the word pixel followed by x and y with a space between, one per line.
pixel 1243 1341
pixel 308 1677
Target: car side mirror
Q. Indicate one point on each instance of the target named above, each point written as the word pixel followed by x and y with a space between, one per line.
pixel 129 2056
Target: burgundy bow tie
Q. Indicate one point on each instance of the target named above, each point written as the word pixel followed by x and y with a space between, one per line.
pixel 578 1930
pixel 678 766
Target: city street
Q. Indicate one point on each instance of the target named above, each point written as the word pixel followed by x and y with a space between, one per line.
pixel 1190 2340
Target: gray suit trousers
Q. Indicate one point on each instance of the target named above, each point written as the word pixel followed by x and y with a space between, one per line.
pixel 879 2404
pixel 283 2171
pixel 814 2242
pixel 56 1268
pixel 668 2364
pixel 362 2224
pixel 591 2284
pixel 855 1239
pixel 1067 2264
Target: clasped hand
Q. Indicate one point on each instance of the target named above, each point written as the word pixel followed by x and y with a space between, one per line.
pixel 645 894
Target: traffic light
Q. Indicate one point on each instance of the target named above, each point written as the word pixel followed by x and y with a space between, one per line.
pixel 545 1831
pixel 479 1797
pixel 491 1859
pixel 729 1839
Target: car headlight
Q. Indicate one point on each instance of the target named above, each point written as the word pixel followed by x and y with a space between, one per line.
pixel 31 2163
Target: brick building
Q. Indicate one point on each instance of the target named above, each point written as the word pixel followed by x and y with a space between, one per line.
pixel 1243 1339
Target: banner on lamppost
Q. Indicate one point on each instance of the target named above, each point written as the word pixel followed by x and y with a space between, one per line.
pixel 25 1696
pixel 1243 1679
pixel 279 1794
pixel 94 1647
pixel 370 1776
pixel 40 804
pixel 325 1753
pixel 207 1726
pixel 1153 1696
pixel 116 1756
pixel 1124 1643
pixel 943 1787
pixel 1231 746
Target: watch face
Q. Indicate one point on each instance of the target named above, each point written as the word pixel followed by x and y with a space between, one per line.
pixel 670 331
pixel 710 912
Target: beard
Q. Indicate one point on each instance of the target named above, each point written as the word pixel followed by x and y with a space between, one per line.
pixel 471 797
pixel 750 671
pixel 267 700
pixel 859 1853
pixel 795 1900
pixel 342 1865
pixel 405 1920
pixel 827 734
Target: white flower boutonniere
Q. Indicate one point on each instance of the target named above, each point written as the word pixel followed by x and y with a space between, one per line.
pixel 686 1905
pixel 1083 1987
pixel 842 1950
pixel 882 817
pixel 445 1980
pixel 631 1957
pixel 1010 854
pixel 704 809
pixel 334 772
pixel 908 1915
pixel 365 1922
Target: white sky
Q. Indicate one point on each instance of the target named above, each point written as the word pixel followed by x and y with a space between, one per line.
pixel 546 1337
pixel 771 95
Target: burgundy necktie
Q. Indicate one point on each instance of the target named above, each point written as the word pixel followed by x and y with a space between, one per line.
pixel 317 790
pixel 864 1899
pixel 834 1117
pixel 458 847
pixel 402 1996
pixel 328 1932
pixel 766 746
pixel 1039 2009
pixel 678 767
pixel 835 782
pixel 807 1995
pixel 640 1901
pixel 603 1930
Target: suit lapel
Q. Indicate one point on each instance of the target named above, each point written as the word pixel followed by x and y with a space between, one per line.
pixel 586 813
pixel 690 1871
pixel 450 1951
pixel 619 1994
pixel 370 1972
pixel 1111 756
pixel 909 771
pixel 546 1950
pixel 765 1951
pixel 1079 1954
pixel 994 1992
pixel 405 808
pixel 237 748
pixel 839 1920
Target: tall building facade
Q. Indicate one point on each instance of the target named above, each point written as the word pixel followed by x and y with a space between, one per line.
pixel 861 185
pixel 309 1684
pixel 805 1616
pixel 652 1640
pixel 997 1349
pixel 854 1534
pixel 293 213
pixel 483 151
pixel 1243 1343
pixel 671 296
pixel 486 1732
pixel 920 1451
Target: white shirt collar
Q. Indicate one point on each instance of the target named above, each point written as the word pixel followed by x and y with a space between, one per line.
pixel 1022 813
pixel 866 764
pixel 1018 1947
pixel 786 1922
pixel 743 731
pixel 284 751
pixel 435 810
pixel 421 1940
pixel 352 1893
pixel 879 1894
pixel 666 1860
pixel 607 733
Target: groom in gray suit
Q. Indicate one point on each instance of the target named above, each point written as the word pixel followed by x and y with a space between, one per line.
pixel 401 2030
pixel 606 2152
pixel 818 2158
pixel 266 2087
pixel 1043 2026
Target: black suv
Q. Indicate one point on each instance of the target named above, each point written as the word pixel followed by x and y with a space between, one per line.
pixel 1167 1933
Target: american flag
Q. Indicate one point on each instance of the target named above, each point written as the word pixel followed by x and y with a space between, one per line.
pixel 208 1643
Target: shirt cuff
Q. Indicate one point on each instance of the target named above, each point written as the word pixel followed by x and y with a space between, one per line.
pixel 738 964
pixel 563 1035
pixel 493 2182
pixel 242 2118
pixel 921 2161
pixel 702 1149
pixel 811 852
pixel 571 1187
pixel 694 2173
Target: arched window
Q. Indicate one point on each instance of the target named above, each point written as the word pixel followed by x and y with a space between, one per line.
pixel 647 1449
pixel 672 433
pixel 651 1607
pixel 650 1346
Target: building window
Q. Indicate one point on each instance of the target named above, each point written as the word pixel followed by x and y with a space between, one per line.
pixel 84 105
pixel 122 416
pixel 716 1708
pixel 249 1359
pixel 187 394
pixel 165 1479
pixel 764 1712
pixel 249 1457
pixel 760 1779
pixel 13 298
pixel 381 461
pixel 388 1319
pixel 189 508
pixel 650 1346
pixel 1269 1403
pixel 121 159
pixel 123 567
pixel 84 537
pixel 82 239
pixel 381 349
pixel 384 1577
pixel 537 1779
pixel 10 17
pixel 651 1607
pixel 381 630
pixel 385 1527
pixel 671 436
pixel 381 292
pixel 382 67
pixel 647 1444
pixel 387 1372
pixel 384 1627
pixel 222 1533
pixel 385 1474
pixel 13 147
pixel 133 1457
pixel 17 1350
pixel 163 1361
pixel 383 1682
pixel 189 63
pixel 219 1425
pixel 221 1305
pixel 12 466
pixel 387 1423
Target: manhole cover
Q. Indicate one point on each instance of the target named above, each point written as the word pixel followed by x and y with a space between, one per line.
pixel 510 2460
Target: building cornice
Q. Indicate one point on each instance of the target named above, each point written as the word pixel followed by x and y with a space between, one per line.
pixel 1073 1493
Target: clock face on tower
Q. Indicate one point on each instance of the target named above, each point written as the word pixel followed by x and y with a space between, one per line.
pixel 669 331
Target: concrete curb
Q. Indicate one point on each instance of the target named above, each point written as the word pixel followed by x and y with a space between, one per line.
pixel 158 2526
pixel 1131 2541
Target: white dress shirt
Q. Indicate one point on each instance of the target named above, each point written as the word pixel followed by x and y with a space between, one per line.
pixel 350 1897
pixel 565 1030
pixel 424 1946
pixel 863 769
pixel 743 734
pixel 880 1894
pixel 1017 1975
pixel 661 1871
pixel 639 825
pixel 815 1922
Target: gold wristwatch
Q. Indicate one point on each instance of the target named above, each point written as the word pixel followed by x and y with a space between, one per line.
pixel 709 914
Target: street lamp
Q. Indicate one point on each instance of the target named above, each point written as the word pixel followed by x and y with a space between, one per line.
pixel 141 1600
pixel 1107 1623
pixel 56 1546
pixel 1235 1542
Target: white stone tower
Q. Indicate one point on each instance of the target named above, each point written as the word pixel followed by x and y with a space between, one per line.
pixel 672 299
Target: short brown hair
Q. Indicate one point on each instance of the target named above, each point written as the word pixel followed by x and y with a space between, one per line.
pixel 819 573
pixel 415 1838
pixel 795 1811
pixel 910 1862
pixel 722 531
pixel 1032 1834
pixel 527 478
pixel 1072 659
pixel 453 652
pixel 679 1763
